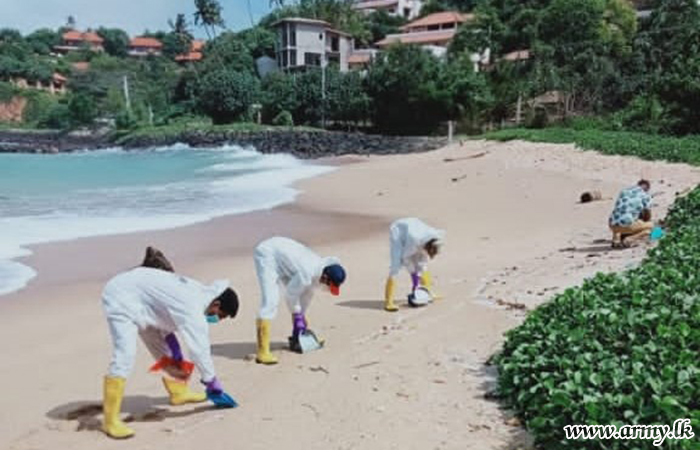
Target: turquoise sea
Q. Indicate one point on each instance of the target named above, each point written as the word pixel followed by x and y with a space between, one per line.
pixel 47 198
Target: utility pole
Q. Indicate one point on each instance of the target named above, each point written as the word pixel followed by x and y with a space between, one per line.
pixel 323 80
pixel 127 98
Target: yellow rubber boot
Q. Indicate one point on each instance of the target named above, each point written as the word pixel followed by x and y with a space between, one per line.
pixel 426 280
pixel 389 295
pixel 180 393
pixel 111 407
pixel 264 356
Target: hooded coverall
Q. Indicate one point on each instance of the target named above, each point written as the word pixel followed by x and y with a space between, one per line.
pixel 152 303
pixel 280 260
pixel 407 237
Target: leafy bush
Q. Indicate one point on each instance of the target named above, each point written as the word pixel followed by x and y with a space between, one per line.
pixel 227 96
pixel 642 145
pixel 620 349
pixel 283 119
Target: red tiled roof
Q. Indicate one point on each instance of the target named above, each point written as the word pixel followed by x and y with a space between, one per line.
pixel 359 58
pixel 147 42
pixel 372 4
pixel 439 18
pixel 88 36
pixel 420 37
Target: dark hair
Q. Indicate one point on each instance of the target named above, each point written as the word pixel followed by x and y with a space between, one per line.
pixel 644 182
pixel 228 302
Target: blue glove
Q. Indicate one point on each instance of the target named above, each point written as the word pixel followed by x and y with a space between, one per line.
pixel 216 394
pixel 174 346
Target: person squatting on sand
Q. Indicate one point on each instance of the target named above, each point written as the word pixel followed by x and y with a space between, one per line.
pixel 412 243
pixel 154 304
pixel 299 270
pixel 631 216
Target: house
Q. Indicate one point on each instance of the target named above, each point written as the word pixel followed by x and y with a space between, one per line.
pixel 73 40
pixel 360 59
pixel 195 53
pixel 408 9
pixel 304 43
pixel 56 85
pixel 145 46
pixel 434 30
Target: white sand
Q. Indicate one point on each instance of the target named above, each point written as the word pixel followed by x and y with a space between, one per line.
pixel 415 379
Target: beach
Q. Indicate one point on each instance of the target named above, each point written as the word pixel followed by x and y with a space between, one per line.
pixel 416 379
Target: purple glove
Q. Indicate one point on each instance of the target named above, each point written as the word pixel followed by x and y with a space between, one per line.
pixel 174 346
pixel 299 324
pixel 415 279
pixel 214 386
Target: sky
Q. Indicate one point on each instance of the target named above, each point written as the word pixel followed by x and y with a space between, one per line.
pixel 133 16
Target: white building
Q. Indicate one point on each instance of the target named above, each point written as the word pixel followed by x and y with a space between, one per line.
pixel 408 9
pixel 303 43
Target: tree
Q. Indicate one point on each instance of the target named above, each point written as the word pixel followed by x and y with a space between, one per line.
pixel 379 24
pixel 43 40
pixel 670 50
pixel 406 86
pixel 70 22
pixel 179 40
pixel 227 51
pixel 116 41
pixel 208 15
pixel 278 94
pixel 226 95
pixel 82 109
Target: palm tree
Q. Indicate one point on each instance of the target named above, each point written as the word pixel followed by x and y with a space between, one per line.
pixel 208 15
pixel 181 28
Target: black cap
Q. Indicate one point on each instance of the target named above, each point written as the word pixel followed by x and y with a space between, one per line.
pixel 228 301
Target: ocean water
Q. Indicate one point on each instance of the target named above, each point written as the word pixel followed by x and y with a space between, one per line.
pixel 49 198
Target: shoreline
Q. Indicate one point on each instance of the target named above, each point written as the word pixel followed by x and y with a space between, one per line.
pixel 512 219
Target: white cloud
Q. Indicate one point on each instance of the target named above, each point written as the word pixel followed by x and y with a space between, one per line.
pixel 134 16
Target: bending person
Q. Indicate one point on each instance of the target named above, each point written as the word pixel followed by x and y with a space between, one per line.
pixel 283 262
pixel 412 244
pixel 155 304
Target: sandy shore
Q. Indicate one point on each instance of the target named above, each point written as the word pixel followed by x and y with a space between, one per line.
pixel 415 379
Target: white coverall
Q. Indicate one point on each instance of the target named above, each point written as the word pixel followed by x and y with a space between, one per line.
pixel 407 239
pixel 152 303
pixel 295 266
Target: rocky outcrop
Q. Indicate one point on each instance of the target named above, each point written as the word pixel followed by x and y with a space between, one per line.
pixel 303 144
pixel 13 110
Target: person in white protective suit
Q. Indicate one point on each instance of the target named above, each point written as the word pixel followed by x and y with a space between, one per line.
pixel 154 305
pixel 284 262
pixel 412 244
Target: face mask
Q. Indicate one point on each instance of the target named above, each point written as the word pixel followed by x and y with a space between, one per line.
pixel 213 319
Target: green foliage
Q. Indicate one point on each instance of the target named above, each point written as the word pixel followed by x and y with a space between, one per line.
pixel 227 96
pixel 43 40
pixel 283 119
pixel 642 145
pixel 82 109
pixel 228 51
pixel 379 24
pixel 116 41
pixel 412 91
pixel 278 95
pixel 619 349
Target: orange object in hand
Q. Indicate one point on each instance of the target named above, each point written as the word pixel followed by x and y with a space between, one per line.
pixel 167 363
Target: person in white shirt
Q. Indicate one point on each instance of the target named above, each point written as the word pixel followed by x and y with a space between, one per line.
pixel 284 262
pixel 154 305
pixel 412 244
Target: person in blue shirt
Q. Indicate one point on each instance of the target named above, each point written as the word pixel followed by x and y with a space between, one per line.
pixel 631 216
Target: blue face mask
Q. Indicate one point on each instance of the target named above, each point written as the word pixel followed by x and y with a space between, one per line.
pixel 213 319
